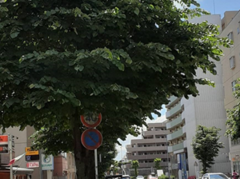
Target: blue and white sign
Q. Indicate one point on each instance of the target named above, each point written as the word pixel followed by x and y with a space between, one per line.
pixel 47 162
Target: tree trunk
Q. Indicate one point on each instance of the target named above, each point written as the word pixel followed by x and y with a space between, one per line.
pixel 84 158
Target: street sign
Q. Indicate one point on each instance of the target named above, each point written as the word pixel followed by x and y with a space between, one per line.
pixel 47 162
pixel 91 119
pixel 31 152
pixel 3 148
pixel 3 140
pixel 32 164
pixel 91 139
pixel 31 157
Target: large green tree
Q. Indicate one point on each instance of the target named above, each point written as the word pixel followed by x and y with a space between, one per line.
pixel 206 146
pixel 60 59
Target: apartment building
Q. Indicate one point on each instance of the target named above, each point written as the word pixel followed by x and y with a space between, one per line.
pixel 184 115
pixel 153 145
pixel 231 72
pixel 177 138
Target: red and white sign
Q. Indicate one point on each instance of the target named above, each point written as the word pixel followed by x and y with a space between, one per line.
pixel 3 139
pixel 32 164
pixel 91 119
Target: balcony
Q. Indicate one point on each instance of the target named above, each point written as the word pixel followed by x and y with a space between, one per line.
pixel 174 110
pixel 173 100
pixel 148 165
pixel 177 147
pixel 174 122
pixel 149 141
pixel 148 156
pixel 153 133
pixel 143 149
pixel 177 134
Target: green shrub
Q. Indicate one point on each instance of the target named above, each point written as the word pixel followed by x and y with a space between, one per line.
pixel 163 177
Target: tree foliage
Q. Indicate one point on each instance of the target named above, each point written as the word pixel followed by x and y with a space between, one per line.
pixel 157 162
pixel 233 122
pixel 206 145
pixel 135 165
pixel 60 59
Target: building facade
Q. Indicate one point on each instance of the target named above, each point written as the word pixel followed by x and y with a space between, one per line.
pixel 153 145
pixel 231 72
pixel 185 115
pixel 62 169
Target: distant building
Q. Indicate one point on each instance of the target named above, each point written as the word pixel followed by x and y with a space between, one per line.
pixel 231 72
pixel 153 145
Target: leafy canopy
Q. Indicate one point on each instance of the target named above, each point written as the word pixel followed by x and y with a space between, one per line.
pixel 206 145
pixel 60 59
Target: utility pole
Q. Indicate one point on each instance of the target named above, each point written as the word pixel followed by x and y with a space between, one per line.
pixel 40 164
pixel 96 164
pixel 10 154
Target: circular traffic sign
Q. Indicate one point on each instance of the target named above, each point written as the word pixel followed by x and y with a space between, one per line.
pixel 91 139
pixel 91 119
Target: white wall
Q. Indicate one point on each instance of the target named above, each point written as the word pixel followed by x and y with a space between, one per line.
pixel 207 109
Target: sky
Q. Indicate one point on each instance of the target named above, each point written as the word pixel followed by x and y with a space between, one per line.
pixel 212 6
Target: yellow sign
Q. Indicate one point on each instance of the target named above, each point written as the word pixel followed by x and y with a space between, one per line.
pixel 31 152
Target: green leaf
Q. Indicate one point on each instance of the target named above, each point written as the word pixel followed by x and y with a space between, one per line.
pixel 136 11
pixel 79 68
pixel 14 34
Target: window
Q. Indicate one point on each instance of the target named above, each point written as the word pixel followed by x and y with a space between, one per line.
pixel 230 36
pixel 233 85
pixel 232 62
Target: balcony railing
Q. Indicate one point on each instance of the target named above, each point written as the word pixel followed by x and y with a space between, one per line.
pixel 174 122
pixel 148 156
pixel 151 133
pixel 172 101
pixel 152 148
pixel 174 110
pixel 176 134
pixel 147 141
pixel 146 165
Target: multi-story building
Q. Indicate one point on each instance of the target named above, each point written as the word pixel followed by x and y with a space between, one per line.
pixel 177 138
pixel 153 145
pixel 185 115
pixel 231 72
pixel 22 140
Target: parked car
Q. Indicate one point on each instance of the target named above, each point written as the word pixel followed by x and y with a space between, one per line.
pixel 140 177
pixel 215 176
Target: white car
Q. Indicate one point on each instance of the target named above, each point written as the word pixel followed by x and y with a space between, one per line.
pixel 140 177
pixel 215 176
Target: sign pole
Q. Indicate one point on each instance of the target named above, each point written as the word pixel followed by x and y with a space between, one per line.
pixel 96 164
pixel 10 154
pixel 40 164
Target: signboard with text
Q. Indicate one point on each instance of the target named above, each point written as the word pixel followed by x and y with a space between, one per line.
pixel 3 144
pixel 31 152
pixel 32 164
pixel 47 162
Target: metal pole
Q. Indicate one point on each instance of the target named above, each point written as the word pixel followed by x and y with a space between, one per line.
pixel 96 164
pixel 10 154
pixel 40 164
